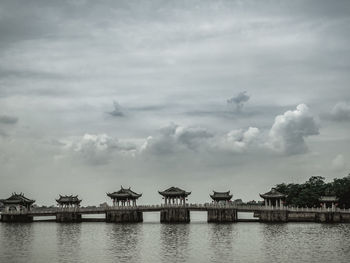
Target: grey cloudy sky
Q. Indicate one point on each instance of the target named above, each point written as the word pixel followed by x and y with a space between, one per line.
pixel 204 95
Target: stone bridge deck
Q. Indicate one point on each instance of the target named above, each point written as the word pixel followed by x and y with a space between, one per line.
pixel 158 208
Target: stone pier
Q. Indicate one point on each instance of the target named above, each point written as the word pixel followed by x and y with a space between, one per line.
pixel 175 215
pixel 124 216
pixel 303 216
pixel 274 216
pixel 331 217
pixel 222 215
pixel 16 218
pixel 66 217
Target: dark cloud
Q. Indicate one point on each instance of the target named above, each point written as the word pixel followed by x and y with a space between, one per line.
pixel 7 119
pixel 239 100
pixel 118 110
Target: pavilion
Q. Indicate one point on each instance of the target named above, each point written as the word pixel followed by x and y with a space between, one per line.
pixel 174 195
pixel 17 203
pixel 221 197
pixel 328 201
pixel 124 197
pixel 68 201
pixel 273 198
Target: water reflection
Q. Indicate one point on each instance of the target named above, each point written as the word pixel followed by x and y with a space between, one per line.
pixel 68 242
pixel 123 242
pixel 174 242
pixel 221 239
pixel 16 242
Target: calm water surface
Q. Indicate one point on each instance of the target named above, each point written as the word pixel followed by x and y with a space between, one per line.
pixel 194 242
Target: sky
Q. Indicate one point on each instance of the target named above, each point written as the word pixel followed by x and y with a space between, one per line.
pixel 203 95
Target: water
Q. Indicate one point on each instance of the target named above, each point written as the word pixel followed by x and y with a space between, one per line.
pixel 154 242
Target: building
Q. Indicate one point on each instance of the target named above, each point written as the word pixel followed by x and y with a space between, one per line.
pixel 124 197
pixel 174 196
pixel 68 201
pixel 273 198
pixel 328 201
pixel 221 197
pixel 17 203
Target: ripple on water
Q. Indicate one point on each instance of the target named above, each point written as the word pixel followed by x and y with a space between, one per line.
pixel 154 242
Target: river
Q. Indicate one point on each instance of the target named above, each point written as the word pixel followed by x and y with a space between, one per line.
pixel 154 242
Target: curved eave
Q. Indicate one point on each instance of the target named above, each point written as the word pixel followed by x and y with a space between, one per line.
pixel 221 198
pixel 185 194
pixel 272 196
pixel 227 192
pixel 124 196
pixel 75 201
pixel 17 202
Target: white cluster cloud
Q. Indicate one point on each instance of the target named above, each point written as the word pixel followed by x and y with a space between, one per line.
pixel 289 130
pixel 99 148
pixel 174 138
pixel 286 136
pixel 341 111
pixel 239 100
pixel 240 140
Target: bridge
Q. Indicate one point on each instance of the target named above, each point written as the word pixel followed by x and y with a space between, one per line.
pixel 181 213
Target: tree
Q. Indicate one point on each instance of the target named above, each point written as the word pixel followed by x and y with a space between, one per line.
pixel 309 193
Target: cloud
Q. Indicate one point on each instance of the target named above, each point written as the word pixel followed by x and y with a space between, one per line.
pixel 118 110
pixel 289 130
pixel 241 140
pixel 6 119
pixel 341 112
pixel 174 138
pixel 338 163
pixel 239 100
pixel 238 141
pixel 98 148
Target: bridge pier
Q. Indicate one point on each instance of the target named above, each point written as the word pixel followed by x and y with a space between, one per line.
pixel 175 215
pixel 330 217
pixel 16 218
pixel 273 216
pixel 68 217
pixel 222 215
pixel 124 216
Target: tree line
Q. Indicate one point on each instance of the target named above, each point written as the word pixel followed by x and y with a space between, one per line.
pixel 308 193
